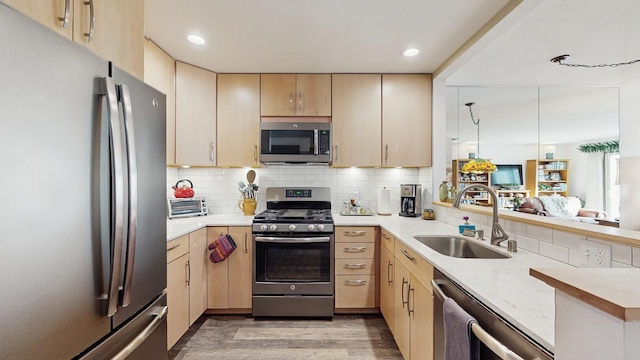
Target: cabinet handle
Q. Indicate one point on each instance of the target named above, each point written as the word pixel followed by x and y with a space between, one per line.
pixel 405 253
pixel 65 18
pixel 355 249
pixel 389 265
pixel 355 233
pixel 291 101
pixel 92 21
pixel 173 247
pixel 354 266
pixel 402 292
pixel 409 309
pixel 386 237
pixel 300 103
pixel 355 282
pixel 187 272
pixel 336 152
pixel 246 243
pixel 255 153
pixel 211 153
pixel 386 153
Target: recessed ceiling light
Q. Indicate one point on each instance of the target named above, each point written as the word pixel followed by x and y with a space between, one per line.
pixel 196 39
pixel 411 52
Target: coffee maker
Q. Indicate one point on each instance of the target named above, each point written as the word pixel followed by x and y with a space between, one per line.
pixel 410 200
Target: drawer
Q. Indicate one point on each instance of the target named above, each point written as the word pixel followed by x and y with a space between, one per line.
pixel 420 268
pixel 177 248
pixel 355 266
pixel 354 292
pixel 387 240
pixel 355 234
pixel 355 250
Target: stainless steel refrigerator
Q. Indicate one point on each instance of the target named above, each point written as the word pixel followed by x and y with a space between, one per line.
pixel 82 219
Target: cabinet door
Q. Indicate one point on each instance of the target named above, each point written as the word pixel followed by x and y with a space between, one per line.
pixel 238 119
pixel 160 72
pixel 217 275
pixel 48 13
pixel 406 120
pixel 177 299
pixel 357 119
pixel 386 286
pixel 198 257
pixel 313 95
pixel 195 115
pixel 240 269
pixel 421 307
pixel 278 95
pixel 401 320
pixel 118 31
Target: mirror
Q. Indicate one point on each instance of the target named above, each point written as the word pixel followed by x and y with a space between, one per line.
pixel 520 123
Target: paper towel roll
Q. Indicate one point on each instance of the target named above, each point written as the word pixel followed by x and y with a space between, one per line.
pixel 384 201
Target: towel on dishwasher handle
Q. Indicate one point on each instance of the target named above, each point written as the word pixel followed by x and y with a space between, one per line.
pixel 459 341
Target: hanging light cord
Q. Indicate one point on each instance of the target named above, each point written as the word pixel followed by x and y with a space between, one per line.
pixel 477 123
pixel 559 60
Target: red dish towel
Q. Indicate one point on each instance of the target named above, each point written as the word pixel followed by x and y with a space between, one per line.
pixel 221 248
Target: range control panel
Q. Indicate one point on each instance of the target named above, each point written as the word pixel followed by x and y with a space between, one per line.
pixel 298 193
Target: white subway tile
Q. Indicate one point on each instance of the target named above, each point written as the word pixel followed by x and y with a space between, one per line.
pixel 568 240
pixel 636 256
pixel 575 258
pixel 528 243
pixel 539 232
pixel 554 251
pixel 621 253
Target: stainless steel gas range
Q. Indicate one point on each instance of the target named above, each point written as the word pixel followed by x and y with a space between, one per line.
pixel 294 246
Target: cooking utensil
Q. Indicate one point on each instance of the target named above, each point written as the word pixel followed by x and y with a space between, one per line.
pixel 251 176
pixel 182 190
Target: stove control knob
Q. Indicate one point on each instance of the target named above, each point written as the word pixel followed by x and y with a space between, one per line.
pixel 320 227
pixel 292 227
pixel 273 227
pixel 311 227
pixel 263 227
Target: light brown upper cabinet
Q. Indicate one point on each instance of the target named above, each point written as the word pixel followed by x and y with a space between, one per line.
pixel 160 72
pixel 357 119
pixel 295 95
pixel 406 120
pixel 116 31
pixel 238 119
pixel 195 116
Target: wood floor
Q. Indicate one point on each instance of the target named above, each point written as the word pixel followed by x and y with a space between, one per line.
pixel 243 337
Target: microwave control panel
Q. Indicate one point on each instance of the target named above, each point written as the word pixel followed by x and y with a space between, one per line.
pixel 324 142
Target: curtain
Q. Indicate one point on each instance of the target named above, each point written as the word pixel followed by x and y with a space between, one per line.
pixel 595 182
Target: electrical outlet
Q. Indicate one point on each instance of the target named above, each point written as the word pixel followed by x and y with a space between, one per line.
pixel 595 254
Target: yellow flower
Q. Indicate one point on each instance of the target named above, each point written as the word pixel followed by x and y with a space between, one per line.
pixel 478 166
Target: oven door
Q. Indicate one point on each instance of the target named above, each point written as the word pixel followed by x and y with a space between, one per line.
pixel 288 265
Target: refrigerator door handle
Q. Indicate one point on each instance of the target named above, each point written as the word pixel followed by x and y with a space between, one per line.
pixel 125 99
pixel 108 89
pixel 160 315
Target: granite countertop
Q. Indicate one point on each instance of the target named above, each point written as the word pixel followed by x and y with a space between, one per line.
pixel 504 285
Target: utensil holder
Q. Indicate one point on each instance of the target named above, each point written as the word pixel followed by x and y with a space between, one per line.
pixel 248 206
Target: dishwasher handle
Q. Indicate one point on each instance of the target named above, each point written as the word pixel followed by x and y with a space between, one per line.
pixel 492 343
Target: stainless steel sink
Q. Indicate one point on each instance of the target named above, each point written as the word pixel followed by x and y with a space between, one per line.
pixel 456 246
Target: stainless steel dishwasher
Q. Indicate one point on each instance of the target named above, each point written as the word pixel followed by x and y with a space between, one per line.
pixel 493 331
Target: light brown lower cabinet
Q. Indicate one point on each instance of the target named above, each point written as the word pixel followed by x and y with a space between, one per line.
pixel 230 281
pixel 387 282
pixel 355 268
pixel 177 289
pixel 413 304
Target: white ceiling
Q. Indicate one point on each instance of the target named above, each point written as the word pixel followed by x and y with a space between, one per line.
pixel 305 36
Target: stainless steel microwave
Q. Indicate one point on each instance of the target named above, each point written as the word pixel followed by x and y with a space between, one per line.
pixel 295 143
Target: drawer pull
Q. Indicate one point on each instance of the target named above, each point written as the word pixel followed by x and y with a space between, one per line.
pixel 355 233
pixel 355 282
pixel 386 237
pixel 407 255
pixel 173 247
pixel 355 249
pixel 354 266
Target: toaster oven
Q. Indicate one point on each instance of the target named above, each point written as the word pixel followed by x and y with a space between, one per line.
pixel 186 207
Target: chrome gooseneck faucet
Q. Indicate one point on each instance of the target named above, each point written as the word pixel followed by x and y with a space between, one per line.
pixel 497 233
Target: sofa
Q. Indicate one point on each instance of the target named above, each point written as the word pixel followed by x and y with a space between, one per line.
pixel 569 207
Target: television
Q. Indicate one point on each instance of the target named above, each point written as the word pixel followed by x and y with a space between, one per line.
pixel 507 174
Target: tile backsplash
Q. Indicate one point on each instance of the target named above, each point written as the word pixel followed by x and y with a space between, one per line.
pixel 219 185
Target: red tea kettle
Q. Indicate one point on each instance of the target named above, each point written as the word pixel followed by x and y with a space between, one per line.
pixel 183 191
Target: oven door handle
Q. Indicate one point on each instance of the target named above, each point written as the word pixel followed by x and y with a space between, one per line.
pixel 293 239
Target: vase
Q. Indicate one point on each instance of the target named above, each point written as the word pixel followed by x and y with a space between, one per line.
pixel 248 206
pixel 444 191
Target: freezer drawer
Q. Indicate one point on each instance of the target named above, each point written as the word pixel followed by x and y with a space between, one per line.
pixel 145 335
